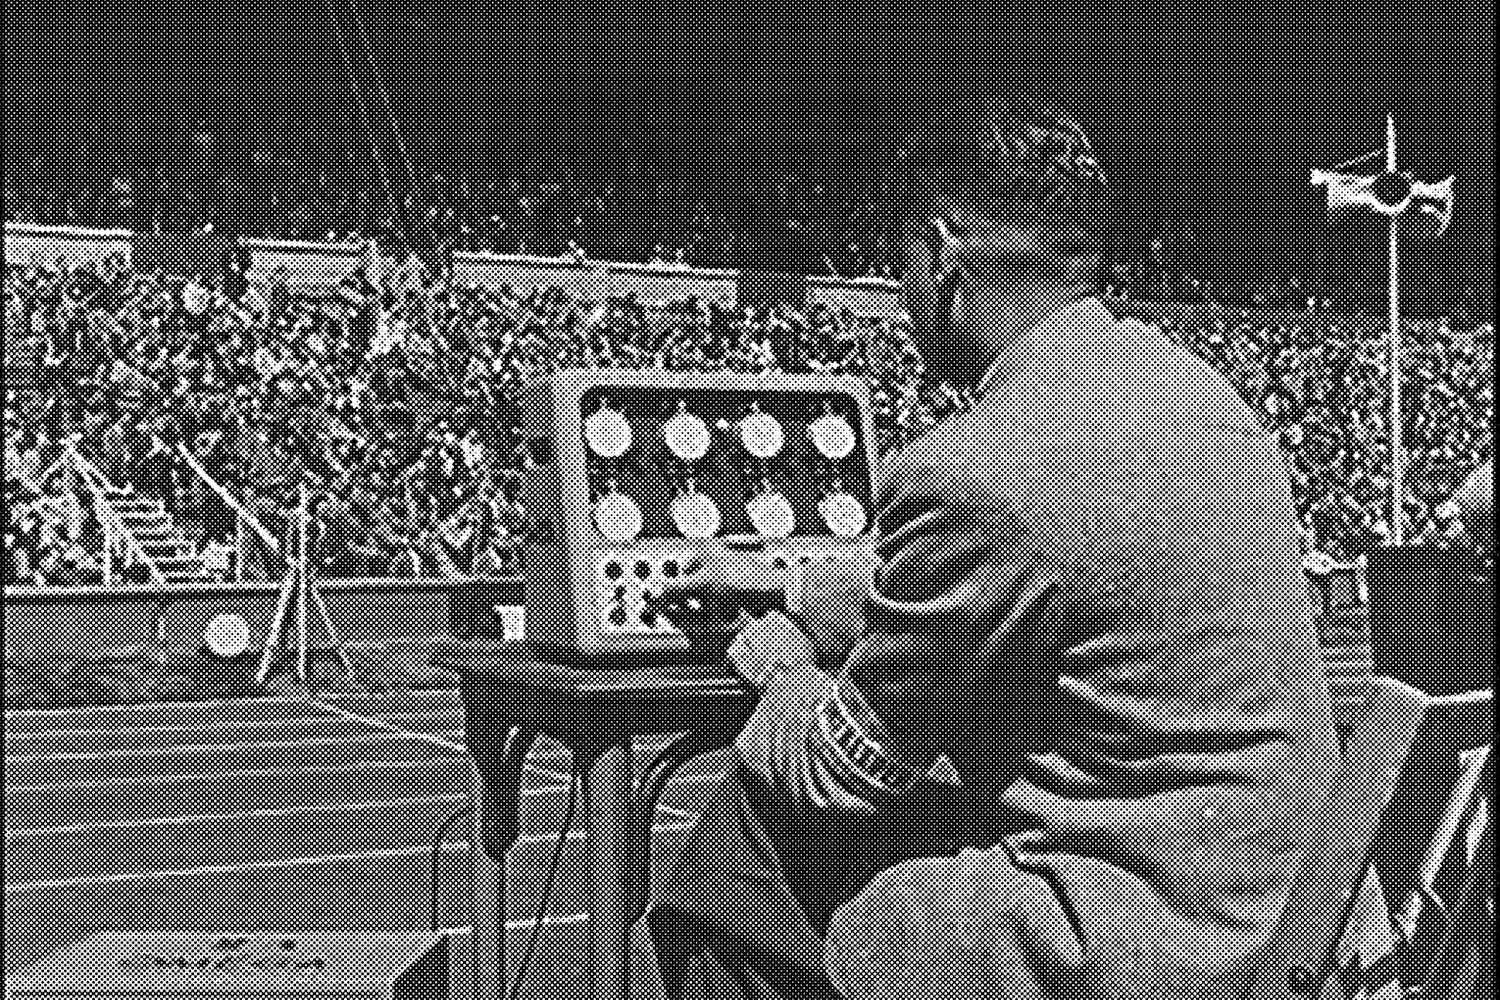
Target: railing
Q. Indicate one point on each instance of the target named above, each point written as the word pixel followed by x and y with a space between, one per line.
pixel 244 520
pixel 328 264
pixel 113 525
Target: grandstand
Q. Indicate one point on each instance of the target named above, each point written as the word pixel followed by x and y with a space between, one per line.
pixel 161 427
pixel 396 404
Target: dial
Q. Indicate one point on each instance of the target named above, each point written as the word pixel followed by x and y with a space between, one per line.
pixel 687 436
pixel 771 514
pixel 761 434
pixel 617 517
pixel 696 515
pixel 832 436
pixel 844 515
pixel 607 432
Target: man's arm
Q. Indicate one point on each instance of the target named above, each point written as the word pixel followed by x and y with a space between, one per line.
pixel 961 593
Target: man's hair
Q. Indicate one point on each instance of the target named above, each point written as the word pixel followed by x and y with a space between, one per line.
pixel 1017 159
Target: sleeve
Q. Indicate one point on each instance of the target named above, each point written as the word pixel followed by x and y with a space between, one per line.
pixel 961 594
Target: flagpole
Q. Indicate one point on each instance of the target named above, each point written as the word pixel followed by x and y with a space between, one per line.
pixel 1398 457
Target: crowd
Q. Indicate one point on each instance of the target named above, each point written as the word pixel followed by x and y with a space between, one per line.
pixel 823 225
pixel 1324 389
pixel 396 405
pixel 830 230
pixel 394 401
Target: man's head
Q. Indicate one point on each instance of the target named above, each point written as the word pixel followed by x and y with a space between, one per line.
pixel 1000 212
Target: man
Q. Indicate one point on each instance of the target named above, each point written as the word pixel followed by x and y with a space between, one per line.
pixel 1061 758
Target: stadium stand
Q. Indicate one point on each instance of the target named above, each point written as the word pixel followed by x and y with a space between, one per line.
pixel 395 402
pixel 402 399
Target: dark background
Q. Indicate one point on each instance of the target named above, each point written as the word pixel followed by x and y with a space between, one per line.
pixel 1205 124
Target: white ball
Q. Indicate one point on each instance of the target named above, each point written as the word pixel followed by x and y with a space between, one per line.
pixel 696 515
pixel 687 436
pixel 227 635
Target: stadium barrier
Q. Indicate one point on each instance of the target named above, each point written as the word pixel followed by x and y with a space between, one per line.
pixel 326 264
pixel 387 626
pixel 394 622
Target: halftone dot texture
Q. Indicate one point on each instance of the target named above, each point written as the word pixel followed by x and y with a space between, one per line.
pixel 1039 160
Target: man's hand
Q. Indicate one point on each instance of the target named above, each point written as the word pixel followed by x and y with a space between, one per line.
pixel 834 592
pixel 769 645
pixel 729 587
pixel 718 592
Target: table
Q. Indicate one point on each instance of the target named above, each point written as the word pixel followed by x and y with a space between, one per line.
pixel 510 698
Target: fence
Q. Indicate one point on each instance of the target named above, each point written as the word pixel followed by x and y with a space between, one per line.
pixel 328 264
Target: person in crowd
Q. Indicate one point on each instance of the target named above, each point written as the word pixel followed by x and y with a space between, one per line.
pixel 140 353
pixel 1045 762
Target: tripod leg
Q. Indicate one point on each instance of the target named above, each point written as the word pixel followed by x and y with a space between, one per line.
pixel 273 637
pixel 333 636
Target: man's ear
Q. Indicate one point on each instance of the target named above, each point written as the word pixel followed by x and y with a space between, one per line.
pixel 947 249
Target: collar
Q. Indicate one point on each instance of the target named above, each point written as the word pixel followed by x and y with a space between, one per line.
pixel 1079 314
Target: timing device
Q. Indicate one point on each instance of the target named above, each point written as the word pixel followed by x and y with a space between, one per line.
pixel 635 472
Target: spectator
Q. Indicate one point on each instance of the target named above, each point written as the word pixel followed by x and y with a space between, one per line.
pixel 295 399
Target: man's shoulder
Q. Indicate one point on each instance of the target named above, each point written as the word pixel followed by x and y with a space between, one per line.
pixel 1121 374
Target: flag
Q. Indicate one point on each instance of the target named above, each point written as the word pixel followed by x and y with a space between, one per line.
pixel 1428 207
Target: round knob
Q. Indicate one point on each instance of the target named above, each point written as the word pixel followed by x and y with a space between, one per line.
pixel 687 436
pixel 696 515
pixel 761 435
pixel 617 517
pixel 844 515
pixel 607 432
pixel 832 436
pixel 771 514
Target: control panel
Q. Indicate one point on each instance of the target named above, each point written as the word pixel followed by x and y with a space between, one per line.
pixel 628 581
pixel 635 473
